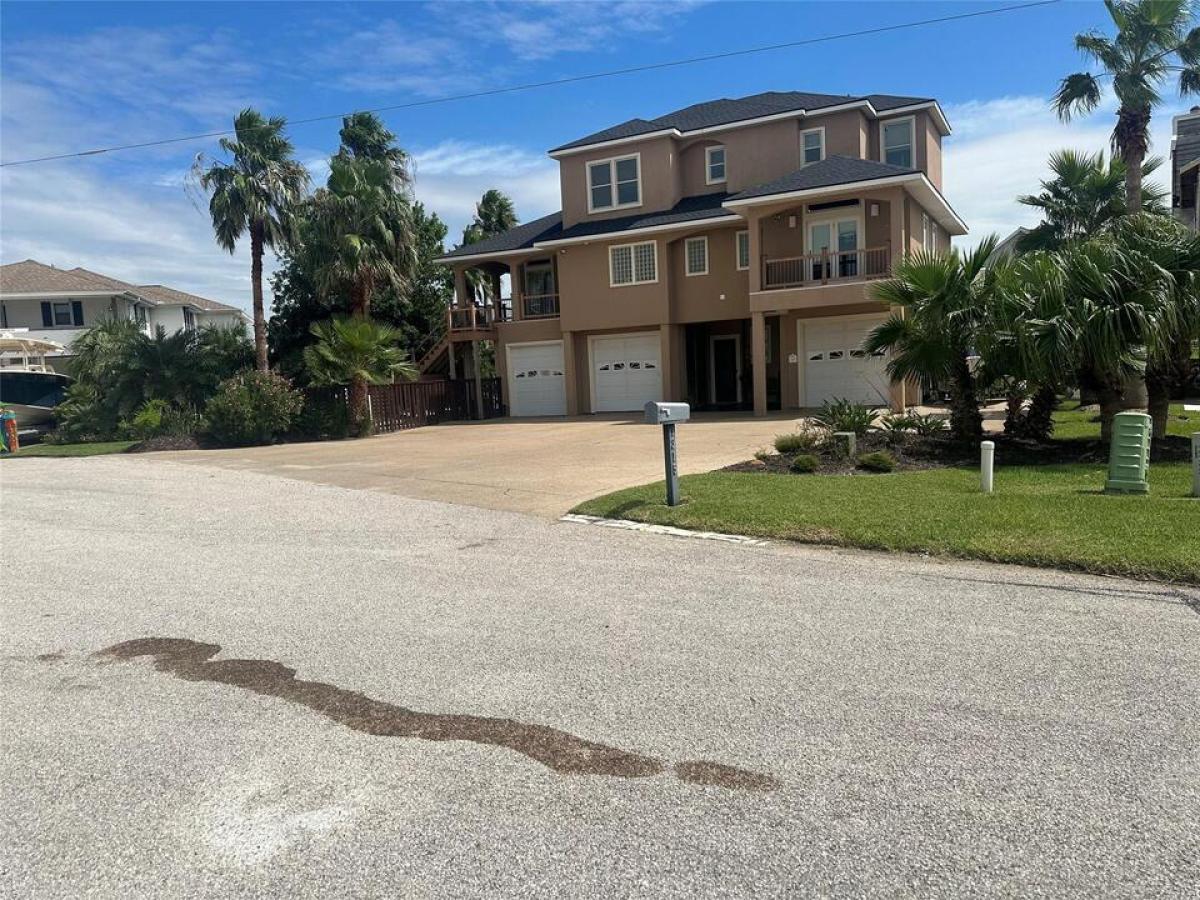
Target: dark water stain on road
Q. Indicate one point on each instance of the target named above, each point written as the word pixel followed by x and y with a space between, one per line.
pixel 559 751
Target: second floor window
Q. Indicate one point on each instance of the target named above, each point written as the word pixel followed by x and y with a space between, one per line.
pixel 632 264
pixel 898 143
pixel 812 146
pixel 743 249
pixel 696 252
pixel 714 165
pixel 614 183
pixel 62 314
pixel 189 320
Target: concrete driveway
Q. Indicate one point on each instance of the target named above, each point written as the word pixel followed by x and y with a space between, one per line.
pixel 538 466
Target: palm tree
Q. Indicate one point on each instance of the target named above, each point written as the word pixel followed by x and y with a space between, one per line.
pixel 357 351
pixel 359 231
pixel 1151 36
pixel 1103 305
pixel 942 298
pixel 494 214
pixel 1170 250
pixel 257 191
pixel 364 136
pixel 1084 194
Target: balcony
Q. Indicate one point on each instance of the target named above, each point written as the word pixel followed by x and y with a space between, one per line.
pixel 464 320
pixel 826 267
pixel 539 306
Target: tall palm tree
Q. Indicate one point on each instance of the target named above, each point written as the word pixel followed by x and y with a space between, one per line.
pixel 1086 192
pixel 357 351
pixel 1152 43
pixel 364 136
pixel 360 238
pixel 257 191
pixel 494 214
pixel 942 298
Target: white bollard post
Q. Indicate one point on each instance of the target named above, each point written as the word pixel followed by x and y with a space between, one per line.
pixel 987 456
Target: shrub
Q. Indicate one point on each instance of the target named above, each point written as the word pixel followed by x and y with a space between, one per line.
pixel 879 461
pixel 928 425
pixel 805 463
pixel 762 454
pixel 252 408
pixel 842 415
pixel 804 440
pixel 895 424
pixel 325 416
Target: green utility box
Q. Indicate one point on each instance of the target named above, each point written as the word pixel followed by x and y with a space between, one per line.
pixel 1129 457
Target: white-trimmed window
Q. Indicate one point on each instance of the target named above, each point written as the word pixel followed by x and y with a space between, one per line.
pixel 189 319
pixel 633 264
pixel 714 165
pixel 896 142
pixel 742 249
pixel 812 146
pixel 929 233
pixel 63 314
pixel 614 183
pixel 695 252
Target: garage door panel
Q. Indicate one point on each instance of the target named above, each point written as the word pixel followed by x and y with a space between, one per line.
pixel 837 366
pixel 537 381
pixel 626 372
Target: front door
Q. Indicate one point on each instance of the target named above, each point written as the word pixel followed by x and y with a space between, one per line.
pixel 726 381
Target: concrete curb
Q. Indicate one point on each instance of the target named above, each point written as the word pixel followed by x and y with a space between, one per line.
pixel 669 530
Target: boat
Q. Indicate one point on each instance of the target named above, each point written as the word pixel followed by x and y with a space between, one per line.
pixel 28 386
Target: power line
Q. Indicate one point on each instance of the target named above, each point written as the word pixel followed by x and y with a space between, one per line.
pixel 611 73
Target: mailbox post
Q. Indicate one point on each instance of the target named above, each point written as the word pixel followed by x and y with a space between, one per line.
pixel 667 415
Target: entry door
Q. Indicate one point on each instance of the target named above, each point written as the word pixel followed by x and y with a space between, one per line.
pixel 724 375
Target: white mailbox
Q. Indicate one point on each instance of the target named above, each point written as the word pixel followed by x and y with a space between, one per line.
pixel 667 413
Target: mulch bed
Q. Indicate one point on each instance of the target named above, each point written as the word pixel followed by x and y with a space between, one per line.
pixel 166 442
pixel 914 453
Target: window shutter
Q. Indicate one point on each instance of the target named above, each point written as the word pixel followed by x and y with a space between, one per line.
pixel 47 315
pixel 77 312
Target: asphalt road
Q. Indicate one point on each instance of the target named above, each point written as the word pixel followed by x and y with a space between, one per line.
pixel 556 709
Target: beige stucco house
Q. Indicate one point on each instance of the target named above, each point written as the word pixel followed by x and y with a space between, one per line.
pixel 50 303
pixel 720 254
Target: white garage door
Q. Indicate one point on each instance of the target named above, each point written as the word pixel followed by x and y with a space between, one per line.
pixel 625 371
pixel 836 365
pixel 536 385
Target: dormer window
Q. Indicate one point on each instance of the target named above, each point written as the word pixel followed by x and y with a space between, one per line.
pixel 714 165
pixel 614 183
pixel 897 142
pixel 812 146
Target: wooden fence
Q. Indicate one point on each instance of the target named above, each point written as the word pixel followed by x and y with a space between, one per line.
pixel 411 404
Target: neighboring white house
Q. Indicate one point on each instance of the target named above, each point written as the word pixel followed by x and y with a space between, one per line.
pixel 61 304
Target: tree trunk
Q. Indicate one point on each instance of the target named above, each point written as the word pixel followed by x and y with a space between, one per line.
pixel 1132 139
pixel 1039 420
pixel 1158 397
pixel 1110 404
pixel 260 318
pixel 360 409
pixel 1133 181
pixel 965 421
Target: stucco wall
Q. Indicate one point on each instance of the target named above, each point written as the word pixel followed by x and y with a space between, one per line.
pixel 586 302
pixel 722 293
pixel 28 313
pixel 658 168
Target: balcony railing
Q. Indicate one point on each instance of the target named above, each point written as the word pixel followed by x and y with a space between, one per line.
pixel 539 306
pixel 826 267
pixel 475 318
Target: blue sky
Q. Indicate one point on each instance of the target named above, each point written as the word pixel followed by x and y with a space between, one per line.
pixel 77 76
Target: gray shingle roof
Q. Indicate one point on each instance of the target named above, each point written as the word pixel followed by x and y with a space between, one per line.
pixel 162 294
pixel 689 209
pixel 520 238
pixel 726 111
pixel 32 277
pixel 829 172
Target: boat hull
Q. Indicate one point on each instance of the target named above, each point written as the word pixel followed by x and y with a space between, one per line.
pixel 32 396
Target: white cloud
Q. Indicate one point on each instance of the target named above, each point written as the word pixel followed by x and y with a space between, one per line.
pixel 452 176
pixel 999 151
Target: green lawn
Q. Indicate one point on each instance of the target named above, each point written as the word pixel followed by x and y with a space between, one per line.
pixel 93 449
pixel 1039 515
pixel 1070 424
